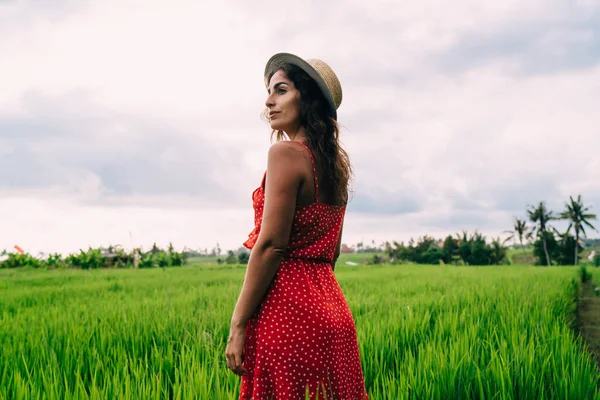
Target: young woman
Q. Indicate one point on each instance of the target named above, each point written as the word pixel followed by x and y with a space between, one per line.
pixel 292 333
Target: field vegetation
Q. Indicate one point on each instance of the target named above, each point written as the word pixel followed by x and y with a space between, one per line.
pixel 424 332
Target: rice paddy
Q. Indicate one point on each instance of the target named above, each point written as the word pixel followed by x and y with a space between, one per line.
pixel 425 332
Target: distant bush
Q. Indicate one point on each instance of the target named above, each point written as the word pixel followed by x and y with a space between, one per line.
pixel 433 255
pixel 231 258
pixel 463 250
pixel 99 258
pixel 243 258
pixel 54 261
pixel 597 260
pixel 376 259
pixel 91 259
pixel 157 258
pixel 561 249
pixel 17 260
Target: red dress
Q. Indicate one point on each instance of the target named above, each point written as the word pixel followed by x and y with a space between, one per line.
pixel 302 339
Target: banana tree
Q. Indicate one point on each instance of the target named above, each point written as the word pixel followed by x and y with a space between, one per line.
pixel 498 251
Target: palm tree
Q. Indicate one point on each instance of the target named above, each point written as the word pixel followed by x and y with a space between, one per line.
pixel 520 230
pixel 359 247
pixel 540 216
pixel 578 217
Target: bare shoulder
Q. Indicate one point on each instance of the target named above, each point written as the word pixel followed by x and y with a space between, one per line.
pixel 287 155
pixel 286 159
pixel 286 150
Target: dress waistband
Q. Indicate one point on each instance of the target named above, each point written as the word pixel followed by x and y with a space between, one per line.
pixel 304 258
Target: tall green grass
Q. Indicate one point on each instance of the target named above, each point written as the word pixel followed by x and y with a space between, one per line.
pixel 424 332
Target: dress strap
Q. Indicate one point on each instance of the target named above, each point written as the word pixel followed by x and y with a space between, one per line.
pixel 312 159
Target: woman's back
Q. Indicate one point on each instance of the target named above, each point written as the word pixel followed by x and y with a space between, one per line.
pixel 316 226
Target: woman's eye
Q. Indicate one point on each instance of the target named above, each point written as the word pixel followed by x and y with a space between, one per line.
pixel 281 91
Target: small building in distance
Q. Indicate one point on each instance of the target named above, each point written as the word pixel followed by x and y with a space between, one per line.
pixel 345 249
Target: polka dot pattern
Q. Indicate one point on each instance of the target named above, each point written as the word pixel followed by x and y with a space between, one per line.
pixel 302 339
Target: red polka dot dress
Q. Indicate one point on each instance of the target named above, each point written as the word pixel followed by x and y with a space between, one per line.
pixel 301 342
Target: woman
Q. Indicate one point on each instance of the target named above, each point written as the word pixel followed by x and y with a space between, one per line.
pixel 292 333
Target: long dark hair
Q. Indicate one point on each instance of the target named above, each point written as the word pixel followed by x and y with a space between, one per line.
pixel 322 132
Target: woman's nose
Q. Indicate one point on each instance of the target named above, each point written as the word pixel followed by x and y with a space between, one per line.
pixel 269 102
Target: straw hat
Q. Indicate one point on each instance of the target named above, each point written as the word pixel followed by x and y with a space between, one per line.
pixel 318 70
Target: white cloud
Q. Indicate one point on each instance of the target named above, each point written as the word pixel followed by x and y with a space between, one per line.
pixel 455 116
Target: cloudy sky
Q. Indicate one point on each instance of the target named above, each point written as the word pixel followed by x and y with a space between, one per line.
pixel 132 122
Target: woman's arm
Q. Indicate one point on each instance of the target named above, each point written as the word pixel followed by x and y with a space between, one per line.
pixel 284 176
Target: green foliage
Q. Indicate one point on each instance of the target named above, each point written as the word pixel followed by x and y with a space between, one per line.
pixel 462 250
pixel 584 275
pixel 498 252
pixel 561 251
pixel 157 258
pixel 91 259
pixel 118 258
pixel 541 217
pixel 147 261
pixel 97 258
pixel 54 261
pixel 597 260
pixel 521 232
pixel 376 259
pixel 451 250
pixel 565 252
pixel 433 255
pixel 17 260
pixel 231 258
pixel 480 252
pixel 243 257
pixel 551 246
pixel 578 216
pixel 424 332
pixel 177 259
pixel 163 259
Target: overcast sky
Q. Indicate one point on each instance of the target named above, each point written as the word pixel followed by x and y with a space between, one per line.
pixel 132 122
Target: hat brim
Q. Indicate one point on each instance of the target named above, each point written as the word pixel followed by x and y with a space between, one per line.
pixel 276 61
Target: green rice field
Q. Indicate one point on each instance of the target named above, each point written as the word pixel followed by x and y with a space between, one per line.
pixel 425 332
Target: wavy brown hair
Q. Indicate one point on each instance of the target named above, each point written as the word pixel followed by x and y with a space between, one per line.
pixel 322 132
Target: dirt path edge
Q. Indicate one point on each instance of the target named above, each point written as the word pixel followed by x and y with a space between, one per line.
pixel 588 319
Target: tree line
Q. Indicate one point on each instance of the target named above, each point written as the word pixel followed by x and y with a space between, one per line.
pixel 462 249
pixel 112 257
pixel 550 246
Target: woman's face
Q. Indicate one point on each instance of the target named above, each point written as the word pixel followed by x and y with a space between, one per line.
pixel 283 103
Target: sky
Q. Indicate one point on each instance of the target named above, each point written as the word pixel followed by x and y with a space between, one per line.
pixel 133 122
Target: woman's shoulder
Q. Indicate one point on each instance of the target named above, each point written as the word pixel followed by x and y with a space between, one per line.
pixel 282 145
pixel 286 151
pixel 286 158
